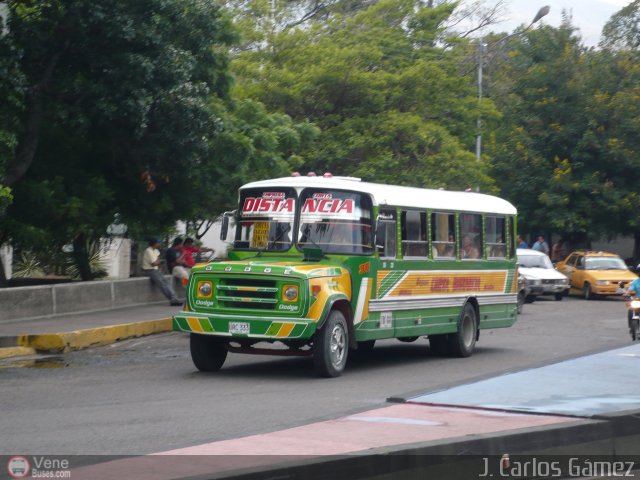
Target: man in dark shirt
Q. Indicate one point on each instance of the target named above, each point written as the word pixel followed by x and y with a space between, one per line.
pixel 175 260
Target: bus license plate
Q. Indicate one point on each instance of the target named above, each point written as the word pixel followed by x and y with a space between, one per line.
pixel 239 327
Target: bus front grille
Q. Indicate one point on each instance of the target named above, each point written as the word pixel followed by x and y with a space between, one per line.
pixel 247 293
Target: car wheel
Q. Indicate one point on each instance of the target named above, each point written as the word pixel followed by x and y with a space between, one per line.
pixel 586 292
pixel 559 296
pixel 530 299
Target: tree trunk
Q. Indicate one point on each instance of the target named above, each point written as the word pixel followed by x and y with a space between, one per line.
pixel 28 142
pixel 81 257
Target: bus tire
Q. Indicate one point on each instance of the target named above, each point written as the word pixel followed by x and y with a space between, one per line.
pixel 208 353
pixel 462 343
pixel 439 344
pixel 331 346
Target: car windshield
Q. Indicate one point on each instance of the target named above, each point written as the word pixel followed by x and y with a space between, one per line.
pixel 266 219
pixel 605 263
pixel 534 261
pixel 335 221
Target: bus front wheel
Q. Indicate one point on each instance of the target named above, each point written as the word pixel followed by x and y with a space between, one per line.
pixel 331 346
pixel 208 353
pixel 462 343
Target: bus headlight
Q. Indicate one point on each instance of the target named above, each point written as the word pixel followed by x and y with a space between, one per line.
pixel 205 289
pixel 291 293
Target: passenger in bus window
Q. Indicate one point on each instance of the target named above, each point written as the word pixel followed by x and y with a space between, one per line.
pixel 468 249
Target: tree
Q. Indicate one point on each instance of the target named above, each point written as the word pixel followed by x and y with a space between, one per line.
pixel 622 31
pixel 116 116
pixel 385 88
pixel 540 153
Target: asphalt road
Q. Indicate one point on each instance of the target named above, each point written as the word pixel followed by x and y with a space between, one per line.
pixel 144 395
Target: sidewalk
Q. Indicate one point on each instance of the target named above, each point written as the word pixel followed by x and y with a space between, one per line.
pixel 78 331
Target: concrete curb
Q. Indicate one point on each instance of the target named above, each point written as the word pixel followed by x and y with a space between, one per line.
pixel 9 352
pixel 80 339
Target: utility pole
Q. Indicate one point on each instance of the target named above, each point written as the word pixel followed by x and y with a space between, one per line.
pixel 481 49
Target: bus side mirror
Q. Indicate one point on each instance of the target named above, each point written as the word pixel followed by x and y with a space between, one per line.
pixel 224 229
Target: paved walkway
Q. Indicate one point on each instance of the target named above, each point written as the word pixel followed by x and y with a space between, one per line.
pixel 592 385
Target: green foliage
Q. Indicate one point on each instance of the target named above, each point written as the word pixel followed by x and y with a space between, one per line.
pixel 28 266
pixel 537 159
pixel 622 31
pixel 385 89
pixel 119 100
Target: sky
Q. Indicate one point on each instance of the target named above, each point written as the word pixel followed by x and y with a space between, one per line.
pixel 588 15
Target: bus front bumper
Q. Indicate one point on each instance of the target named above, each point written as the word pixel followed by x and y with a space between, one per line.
pixel 237 326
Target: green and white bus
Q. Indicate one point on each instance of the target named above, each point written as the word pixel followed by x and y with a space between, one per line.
pixel 324 265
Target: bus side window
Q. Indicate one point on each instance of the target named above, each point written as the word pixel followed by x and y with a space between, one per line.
pixel 495 235
pixel 386 234
pixel 470 236
pixel 414 233
pixel 443 231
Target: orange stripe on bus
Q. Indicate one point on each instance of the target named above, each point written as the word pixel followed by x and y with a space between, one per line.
pixel 285 329
pixel 194 324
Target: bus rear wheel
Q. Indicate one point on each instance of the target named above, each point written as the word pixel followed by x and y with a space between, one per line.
pixel 208 353
pixel 462 343
pixel 331 346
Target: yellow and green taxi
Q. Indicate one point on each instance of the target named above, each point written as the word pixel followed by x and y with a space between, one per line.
pixel 594 273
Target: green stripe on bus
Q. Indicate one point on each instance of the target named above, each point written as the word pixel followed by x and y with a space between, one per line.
pixel 273 329
pixel 389 281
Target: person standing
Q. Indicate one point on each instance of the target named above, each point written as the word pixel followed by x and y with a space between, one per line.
pixel 557 251
pixel 522 243
pixel 541 245
pixel 150 264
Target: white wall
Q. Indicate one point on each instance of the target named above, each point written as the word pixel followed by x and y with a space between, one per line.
pixel 6 256
pixel 117 256
pixel 623 246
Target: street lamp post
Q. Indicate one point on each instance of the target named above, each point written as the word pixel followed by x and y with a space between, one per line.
pixel 481 47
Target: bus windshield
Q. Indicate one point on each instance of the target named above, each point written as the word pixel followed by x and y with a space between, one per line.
pixel 266 219
pixel 335 221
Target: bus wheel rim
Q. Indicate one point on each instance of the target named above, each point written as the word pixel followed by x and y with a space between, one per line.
pixel 337 345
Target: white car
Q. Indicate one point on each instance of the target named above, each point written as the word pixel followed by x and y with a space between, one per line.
pixel 541 278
